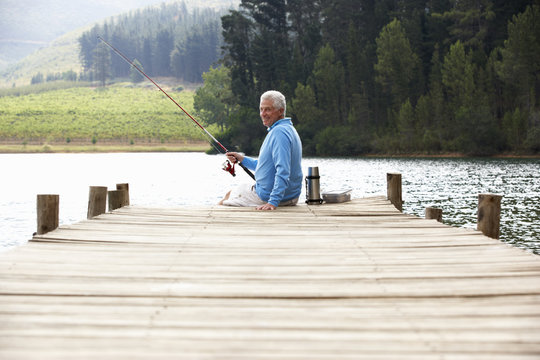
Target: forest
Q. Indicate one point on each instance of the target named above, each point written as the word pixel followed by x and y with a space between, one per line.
pixel 382 77
pixel 360 76
pixel 170 40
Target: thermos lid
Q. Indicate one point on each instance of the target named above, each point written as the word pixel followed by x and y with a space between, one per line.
pixel 313 171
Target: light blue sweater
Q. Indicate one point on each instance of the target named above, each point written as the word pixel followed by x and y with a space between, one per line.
pixel 278 170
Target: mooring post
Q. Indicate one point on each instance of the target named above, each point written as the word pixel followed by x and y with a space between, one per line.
pixel 48 209
pixel 393 189
pixel 434 213
pixel 117 199
pixel 124 186
pixel 97 201
pixel 489 214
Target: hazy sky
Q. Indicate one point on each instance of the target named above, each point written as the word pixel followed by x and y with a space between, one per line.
pixel 44 20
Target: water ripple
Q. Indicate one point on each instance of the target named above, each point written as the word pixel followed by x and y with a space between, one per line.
pixel 175 179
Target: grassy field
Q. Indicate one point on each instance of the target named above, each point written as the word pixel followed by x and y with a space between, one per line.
pixel 115 118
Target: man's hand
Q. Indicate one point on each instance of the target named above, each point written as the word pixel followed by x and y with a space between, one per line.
pixel 266 207
pixel 235 157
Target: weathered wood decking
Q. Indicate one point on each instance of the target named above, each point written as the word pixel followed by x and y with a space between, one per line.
pixel 357 280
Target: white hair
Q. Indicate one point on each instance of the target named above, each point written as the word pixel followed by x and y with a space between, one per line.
pixel 277 98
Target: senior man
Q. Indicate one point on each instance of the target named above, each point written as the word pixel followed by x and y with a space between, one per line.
pixel 278 169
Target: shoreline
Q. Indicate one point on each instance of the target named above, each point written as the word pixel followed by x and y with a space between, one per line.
pixel 455 156
pixel 56 148
pixel 199 146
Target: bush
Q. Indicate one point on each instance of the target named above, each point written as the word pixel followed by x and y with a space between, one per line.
pixel 341 141
pixel 532 142
pixel 431 142
pixel 245 132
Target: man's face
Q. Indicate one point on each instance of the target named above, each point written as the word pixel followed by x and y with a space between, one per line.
pixel 269 114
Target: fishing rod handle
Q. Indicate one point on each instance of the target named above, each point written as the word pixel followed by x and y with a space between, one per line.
pixel 247 170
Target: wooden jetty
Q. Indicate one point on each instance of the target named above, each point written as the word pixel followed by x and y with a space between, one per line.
pixel 356 280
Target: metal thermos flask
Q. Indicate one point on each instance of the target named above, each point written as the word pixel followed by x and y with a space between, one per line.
pixel 313 187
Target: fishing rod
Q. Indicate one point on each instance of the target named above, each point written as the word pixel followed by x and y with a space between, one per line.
pixel 227 166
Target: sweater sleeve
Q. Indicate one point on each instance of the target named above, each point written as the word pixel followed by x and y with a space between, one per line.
pixel 250 163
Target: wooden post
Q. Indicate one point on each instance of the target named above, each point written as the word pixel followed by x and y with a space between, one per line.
pixel 117 199
pixel 97 201
pixel 489 214
pixel 434 213
pixel 393 189
pixel 124 186
pixel 48 209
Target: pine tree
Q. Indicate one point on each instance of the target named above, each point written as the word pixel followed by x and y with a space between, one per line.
pixel 406 126
pixel 270 52
pixel 305 27
pixel 237 35
pixel 147 55
pixel 87 44
pixel 329 83
pixel 163 50
pixel 459 86
pixel 102 63
pixel 134 75
pixel 520 65
pixel 308 116
pixel 470 22
pixel 397 64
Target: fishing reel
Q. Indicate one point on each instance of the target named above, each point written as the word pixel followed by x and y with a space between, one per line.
pixel 228 167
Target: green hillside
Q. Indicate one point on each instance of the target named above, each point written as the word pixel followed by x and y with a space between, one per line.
pixel 62 55
pixel 120 114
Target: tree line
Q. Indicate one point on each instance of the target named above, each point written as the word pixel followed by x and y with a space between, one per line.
pixel 382 76
pixel 69 75
pixel 168 40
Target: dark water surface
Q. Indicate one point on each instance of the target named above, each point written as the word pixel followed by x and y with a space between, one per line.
pixel 175 179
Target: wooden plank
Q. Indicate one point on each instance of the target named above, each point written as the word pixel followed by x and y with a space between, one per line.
pixel 357 280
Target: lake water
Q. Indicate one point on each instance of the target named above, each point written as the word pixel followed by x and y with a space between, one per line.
pixel 176 179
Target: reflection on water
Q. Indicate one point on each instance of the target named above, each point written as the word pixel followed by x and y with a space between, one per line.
pixel 457 183
pixel 175 179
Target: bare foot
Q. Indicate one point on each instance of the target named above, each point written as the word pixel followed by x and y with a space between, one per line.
pixel 225 198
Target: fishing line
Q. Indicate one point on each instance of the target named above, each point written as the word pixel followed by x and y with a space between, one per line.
pixel 227 166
